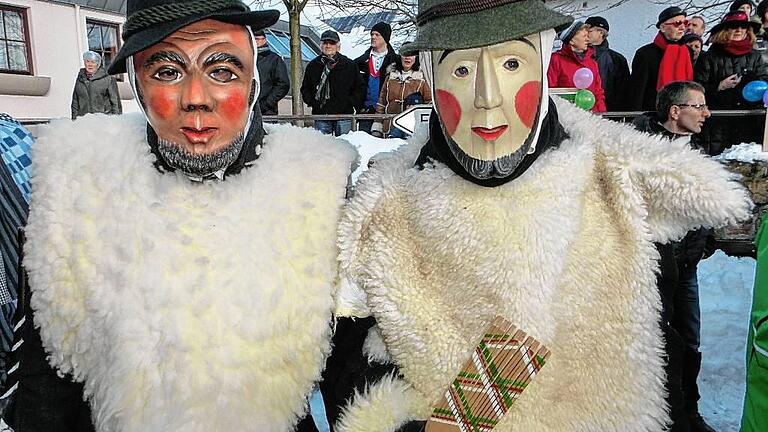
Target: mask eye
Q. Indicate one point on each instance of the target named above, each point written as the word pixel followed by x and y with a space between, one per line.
pixel 223 75
pixel 511 65
pixel 167 74
pixel 461 72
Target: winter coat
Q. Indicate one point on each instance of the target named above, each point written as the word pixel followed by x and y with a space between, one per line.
pixel 761 45
pixel 614 72
pixel 362 65
pixel 97 94
pixel 398 86
pixel 190 329
pixel 754 418
pixel 641 90
pixel 712 67
pixel 565 252
pixel 565 63
pixel 347 87
pixel 273 76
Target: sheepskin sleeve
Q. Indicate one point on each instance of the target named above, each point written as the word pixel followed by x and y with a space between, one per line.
pixel 681 188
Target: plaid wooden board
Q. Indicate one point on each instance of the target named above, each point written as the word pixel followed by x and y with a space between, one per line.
pixel 499 370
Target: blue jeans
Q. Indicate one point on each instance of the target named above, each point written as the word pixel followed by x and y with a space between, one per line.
pixel 333 127
pixel 365 126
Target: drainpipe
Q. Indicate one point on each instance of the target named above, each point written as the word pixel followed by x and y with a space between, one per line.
pixel 79 32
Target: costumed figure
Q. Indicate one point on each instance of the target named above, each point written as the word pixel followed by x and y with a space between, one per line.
pixel 519 206
pixel 181 262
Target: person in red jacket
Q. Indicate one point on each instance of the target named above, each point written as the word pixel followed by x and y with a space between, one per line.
pixel 574 55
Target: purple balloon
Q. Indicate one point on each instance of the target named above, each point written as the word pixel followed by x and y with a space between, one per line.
pixel 583 78
pixel 765 99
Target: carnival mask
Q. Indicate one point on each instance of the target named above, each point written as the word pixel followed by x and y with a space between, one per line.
pixel 197 88
pixel 489 101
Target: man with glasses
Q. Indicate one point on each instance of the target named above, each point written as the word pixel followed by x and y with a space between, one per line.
pixel 681 110
pixel 661 62
pixel 332 85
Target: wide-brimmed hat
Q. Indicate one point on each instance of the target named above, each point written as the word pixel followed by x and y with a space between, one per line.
pixel 151 21
pixel 464 24
pixel 735 19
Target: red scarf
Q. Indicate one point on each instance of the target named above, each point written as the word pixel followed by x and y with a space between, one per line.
pixel 738 48
pixel 675 65
pixel 372 71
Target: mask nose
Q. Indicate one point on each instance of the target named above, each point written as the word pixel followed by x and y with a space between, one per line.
pixel 487 94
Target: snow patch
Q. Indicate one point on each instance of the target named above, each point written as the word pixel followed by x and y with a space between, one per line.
pixel 368 146
pixel 744 152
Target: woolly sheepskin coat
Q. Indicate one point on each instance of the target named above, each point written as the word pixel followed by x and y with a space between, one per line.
pixel 185 306
pixel 565 252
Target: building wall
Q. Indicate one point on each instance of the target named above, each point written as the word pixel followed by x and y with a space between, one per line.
pixel 57 39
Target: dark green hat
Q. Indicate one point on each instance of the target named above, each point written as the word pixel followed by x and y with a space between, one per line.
pixel 463 24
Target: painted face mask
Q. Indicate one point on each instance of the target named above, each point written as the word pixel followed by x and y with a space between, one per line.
pixel 197 89
pixel 489 101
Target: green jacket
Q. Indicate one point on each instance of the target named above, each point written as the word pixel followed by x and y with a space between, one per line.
pixel 755 417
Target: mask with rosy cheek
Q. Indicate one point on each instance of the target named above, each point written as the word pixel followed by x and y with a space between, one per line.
pixel 489 102
pixel 197 90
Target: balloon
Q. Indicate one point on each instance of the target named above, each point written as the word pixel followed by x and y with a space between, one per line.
pixel 765 99
pixel 585 99
pixel 583 78
pixel 754 90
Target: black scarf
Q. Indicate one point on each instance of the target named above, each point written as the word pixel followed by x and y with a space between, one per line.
pixel 248 154
pixel 550 136
pixel 323 91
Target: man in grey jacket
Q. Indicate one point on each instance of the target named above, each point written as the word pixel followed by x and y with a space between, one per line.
pixel 95 91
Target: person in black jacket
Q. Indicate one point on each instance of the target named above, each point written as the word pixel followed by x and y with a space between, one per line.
pixel 614 70
pixel 373 66
pixel 649 72
pixel 273 76
pixel 332 85
pixel 724 70
pixel 95 91
pixel 681 111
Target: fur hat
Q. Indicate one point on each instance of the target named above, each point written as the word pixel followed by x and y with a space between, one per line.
pixel 151 21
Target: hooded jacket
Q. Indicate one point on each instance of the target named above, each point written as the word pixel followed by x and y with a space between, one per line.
pixel 97 94
pixel 565 63
pixel 565 252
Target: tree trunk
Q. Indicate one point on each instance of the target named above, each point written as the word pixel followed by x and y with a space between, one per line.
pixel 296 64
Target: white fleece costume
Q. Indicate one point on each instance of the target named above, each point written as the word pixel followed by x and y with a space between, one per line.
pixel 565 252
pixel 185 306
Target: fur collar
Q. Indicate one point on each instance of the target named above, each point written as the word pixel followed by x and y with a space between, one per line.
pixel 565 252
pixel 176 302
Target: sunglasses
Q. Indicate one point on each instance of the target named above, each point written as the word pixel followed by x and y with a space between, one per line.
pixel 678 23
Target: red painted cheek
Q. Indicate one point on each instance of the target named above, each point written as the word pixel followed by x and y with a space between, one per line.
pixel 234 104
pixel 161 103
pixel 450 111
pixel 527 102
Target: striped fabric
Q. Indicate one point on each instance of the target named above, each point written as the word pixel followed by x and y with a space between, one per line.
pixel 15 146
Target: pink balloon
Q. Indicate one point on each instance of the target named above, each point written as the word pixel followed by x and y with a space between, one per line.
pixel 583 78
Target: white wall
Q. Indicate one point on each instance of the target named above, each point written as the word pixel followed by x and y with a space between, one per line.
pixel 58 38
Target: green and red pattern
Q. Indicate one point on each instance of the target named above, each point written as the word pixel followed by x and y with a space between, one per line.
pixel 498 370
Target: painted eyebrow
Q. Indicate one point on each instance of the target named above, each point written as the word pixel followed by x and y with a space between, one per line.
pixel 162 56
pixel 446 52
pixel 223 57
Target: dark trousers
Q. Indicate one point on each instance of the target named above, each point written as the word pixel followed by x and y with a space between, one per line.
pixel 365 125
pixel 687 322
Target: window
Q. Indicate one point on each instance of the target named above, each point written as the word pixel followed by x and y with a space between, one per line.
pixel 306 50
pixel 14 41
pixel 102 38
pixel 279 43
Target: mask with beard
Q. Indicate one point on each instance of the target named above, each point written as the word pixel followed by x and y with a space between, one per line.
pixel 491 102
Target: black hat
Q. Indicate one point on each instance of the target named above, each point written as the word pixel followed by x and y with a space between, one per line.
pixel 384 29
pixel 598 21
pixel 734 19
pixel 761 9
pixel 739 3
pixel 690 37
pixel 668 13
pixel 568 34
pixel 151 21
pixel 259 33
pixel 330 35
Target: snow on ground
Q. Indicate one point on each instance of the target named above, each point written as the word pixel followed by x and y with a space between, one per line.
pixel 744 153
pixel 725 292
